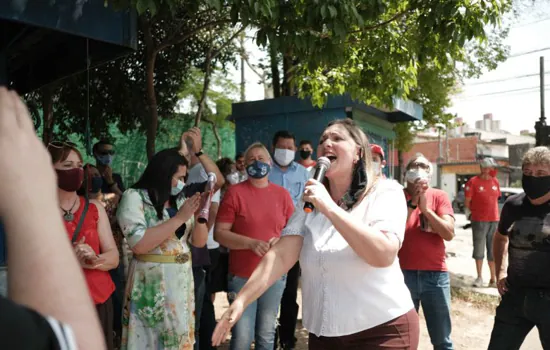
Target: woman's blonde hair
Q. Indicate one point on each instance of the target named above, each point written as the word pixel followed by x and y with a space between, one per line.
pixel 256 145
pixel 358 187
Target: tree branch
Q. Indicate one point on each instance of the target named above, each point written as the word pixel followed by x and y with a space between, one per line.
pixel 381 24
pixel 178 39
pixel 219 51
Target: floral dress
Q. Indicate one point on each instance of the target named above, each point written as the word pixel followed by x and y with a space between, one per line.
pixel 159 302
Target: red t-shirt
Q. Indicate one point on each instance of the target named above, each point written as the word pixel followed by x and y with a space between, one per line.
pixel 425 250
pixel 484 196
pixel 259 213
pixel 308 164
pixel 99 282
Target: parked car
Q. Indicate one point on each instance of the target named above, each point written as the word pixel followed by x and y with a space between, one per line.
pixel 505 192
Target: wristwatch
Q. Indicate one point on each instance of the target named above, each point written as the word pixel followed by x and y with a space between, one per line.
pixel 410 204
pixel 199 153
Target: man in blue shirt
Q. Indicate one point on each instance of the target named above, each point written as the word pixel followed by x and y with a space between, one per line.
pixel 293 177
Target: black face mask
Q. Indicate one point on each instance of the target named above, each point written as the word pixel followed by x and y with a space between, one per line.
pixel 535 187
pixel 305 154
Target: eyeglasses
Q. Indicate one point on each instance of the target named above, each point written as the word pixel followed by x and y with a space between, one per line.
pixel 62 144
pixel 110 152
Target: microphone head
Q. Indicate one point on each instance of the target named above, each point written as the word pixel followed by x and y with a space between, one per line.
pixel 212 177
pixel 323 161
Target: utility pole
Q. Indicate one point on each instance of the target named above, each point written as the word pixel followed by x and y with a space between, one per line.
pixel 243 80
pixel 541 129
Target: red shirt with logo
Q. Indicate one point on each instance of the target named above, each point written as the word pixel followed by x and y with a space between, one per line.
pixel 258 213
pixel 423 250
pixel 484 196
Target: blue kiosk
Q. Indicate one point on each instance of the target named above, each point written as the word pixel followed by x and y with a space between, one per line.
pixel 44 41
pixel 259 120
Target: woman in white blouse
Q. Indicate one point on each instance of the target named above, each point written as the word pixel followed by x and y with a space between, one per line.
pixel 354 295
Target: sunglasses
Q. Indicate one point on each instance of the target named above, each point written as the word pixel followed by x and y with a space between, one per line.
pixel 110 152
pixel 62 144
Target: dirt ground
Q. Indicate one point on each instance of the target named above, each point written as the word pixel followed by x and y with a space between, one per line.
pixel 472 318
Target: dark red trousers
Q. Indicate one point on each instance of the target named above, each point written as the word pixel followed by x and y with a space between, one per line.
pixel 401 333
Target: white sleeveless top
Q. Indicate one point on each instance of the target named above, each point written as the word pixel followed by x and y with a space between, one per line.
pixel 341 293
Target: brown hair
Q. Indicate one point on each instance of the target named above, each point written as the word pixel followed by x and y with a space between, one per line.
pixel 59 151
pixel 363 177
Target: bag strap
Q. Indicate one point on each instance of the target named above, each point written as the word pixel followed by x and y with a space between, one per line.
pixel 81 221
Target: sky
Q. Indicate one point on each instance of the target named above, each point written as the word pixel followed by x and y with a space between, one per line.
pixel 516 110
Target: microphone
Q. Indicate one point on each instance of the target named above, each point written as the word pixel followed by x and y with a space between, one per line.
pixel 323 164
pixel 205 208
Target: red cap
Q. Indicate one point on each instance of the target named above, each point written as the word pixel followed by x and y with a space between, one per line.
pixel 375 149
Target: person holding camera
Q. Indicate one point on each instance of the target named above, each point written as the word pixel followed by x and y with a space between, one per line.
pixel 430 221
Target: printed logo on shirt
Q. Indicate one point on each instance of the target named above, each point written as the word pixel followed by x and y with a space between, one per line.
pixel 481 188
pixel 494 188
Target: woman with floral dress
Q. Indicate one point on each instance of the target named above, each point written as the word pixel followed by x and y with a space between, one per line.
pixel 158 222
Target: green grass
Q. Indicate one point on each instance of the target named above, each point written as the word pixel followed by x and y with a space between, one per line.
pixel 478 299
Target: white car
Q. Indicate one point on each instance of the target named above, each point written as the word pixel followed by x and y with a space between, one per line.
pixel 506 192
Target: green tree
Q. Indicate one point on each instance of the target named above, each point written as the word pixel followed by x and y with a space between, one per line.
pixel 216 101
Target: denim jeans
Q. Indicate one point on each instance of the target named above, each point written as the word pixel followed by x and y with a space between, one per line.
pixel 259 319
pixel 432 291
pixel 289 309
pixel 117 275
pixel 518 312
pixel 199 275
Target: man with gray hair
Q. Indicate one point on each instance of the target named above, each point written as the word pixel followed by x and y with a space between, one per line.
pixel 524 228
pixel 482 193
pixel 422 256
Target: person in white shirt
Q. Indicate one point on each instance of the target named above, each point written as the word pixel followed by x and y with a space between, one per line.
pixel 353 289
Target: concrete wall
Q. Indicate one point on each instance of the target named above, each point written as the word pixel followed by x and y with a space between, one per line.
pixel 448 184
pixel 492 150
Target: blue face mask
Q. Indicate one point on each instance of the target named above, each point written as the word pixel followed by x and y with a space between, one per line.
pixel 104 159
pixel 178 188
pixel 258 170
pixel 96 184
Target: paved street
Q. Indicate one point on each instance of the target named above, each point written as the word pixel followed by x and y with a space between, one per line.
pixel 459 259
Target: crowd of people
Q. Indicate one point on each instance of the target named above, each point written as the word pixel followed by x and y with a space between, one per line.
pixel 370 254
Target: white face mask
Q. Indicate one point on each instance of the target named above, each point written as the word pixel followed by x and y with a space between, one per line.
pixel 284 157
pixel 178 188
pixel 376 167
pixel 414 174
pixel 233 178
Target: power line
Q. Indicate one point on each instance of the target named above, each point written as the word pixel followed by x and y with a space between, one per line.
pixel 532 88
pixel 521 25
pixel 529 52
pixel 506 79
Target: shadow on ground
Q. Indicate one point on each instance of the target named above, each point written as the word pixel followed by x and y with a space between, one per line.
pixel 301 335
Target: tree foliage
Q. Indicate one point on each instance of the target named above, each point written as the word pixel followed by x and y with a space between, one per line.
pixel 375 50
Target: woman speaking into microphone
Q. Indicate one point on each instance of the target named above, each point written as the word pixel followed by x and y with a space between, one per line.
pixel 354 295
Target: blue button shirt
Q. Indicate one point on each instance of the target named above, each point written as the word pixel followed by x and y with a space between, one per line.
pixel 293 179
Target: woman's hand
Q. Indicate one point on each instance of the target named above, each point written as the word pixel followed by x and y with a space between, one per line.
pixel 86 256
pixel 189 207
pixel 228 320
pixel 316 193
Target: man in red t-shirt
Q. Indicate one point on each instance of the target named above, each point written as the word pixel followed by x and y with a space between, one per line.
pixel 482 193
pixel 250 220
pixel 306 155
pixel 422 255
pixel 378 160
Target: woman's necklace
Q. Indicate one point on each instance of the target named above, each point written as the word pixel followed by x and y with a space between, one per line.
pixel 68 214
